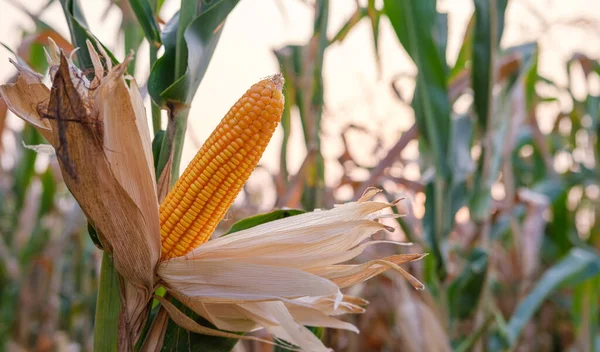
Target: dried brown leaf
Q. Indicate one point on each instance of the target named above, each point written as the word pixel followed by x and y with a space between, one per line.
pixel 26 96
pixel 78 136
pixel 420 329
pixel 156 334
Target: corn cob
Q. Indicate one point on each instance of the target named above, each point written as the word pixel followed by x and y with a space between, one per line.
pixel 209 185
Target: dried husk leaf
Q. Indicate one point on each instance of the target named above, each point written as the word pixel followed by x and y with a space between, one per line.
pixel 156 335
pixel 278 321
pixel 190 325
pixel 164 181
pixel 78 141
pixel 121 205
pixel 25 97
pixel 228 281
pixel 423 331
pixel 348 275
pixel 277 275
pixel 127 145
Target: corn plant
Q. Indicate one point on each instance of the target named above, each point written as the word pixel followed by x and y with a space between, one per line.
pixel 519 271
pixel 279 275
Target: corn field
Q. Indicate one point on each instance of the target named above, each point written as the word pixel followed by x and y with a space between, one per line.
pixel 429 182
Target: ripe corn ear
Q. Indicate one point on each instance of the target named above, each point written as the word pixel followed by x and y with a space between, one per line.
pixel 209 185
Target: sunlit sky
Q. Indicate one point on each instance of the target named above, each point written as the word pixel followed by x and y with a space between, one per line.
pixel 354 93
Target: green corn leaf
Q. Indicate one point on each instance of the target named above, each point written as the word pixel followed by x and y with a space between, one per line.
pixel 107 307
pixel 578 264
pixel 80 33
pixel 463 60
pixel 177 339
pixel 358 15
pixel 48 192
pixel 586 313
pixel 156 145
pixel 413 22
pixel 489 25
pixel 262 218
pixel 421 31
pixel 25 169
pixel 465 290
pixel 201 38
pixel 147 21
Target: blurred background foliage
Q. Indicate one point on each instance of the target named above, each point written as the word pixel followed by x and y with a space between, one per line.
pixel 508 211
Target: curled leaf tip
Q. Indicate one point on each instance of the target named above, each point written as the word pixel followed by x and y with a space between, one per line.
pixel 397 201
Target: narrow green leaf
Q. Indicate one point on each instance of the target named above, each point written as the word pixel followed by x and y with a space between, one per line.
pixel 201 38
pixel 48 192
pixel 468 343
pixel 25 169
pixel 133 37
pixel 162 74
pixel 108 305
pixel 440 35
pixel 412 21
pixel 314 190
pixel 262 218
pixel 317 331
pixel 491 159
pixel 80 33
pixel 19 59
pixel 35 245
pixel 416 24
pixel 287 67
pixel 462 140
pixel 177 339
pixel 147 21
pixel 358 15
pixel 577 262
pixel 586 313
pixel 156 146
pixel 465 290
pixel 375 19
pixel 9 294
pixel 489 23
pixel 463 61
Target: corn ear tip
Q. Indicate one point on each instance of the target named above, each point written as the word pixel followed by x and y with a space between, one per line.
pixel 277 80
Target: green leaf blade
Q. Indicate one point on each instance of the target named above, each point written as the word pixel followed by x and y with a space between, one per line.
pixel 147 21
pixel 578 262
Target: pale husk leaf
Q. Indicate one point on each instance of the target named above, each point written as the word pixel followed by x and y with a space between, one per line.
pixel 156 335
pixel 423 331
pixel 230 281
pixel 308 246
pixel 348 275
pixel 314 311
pixel 263 292
pixel 126 142
pixel 278 321
pixel 270 232
pixel 190 325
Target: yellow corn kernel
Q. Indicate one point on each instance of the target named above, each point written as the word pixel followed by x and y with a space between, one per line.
pixel 203 194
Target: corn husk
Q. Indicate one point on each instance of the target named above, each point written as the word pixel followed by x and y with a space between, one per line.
pixel 285 274
pixel 99 132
